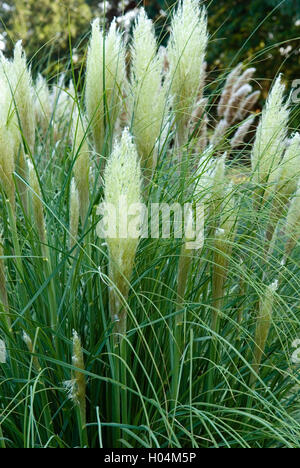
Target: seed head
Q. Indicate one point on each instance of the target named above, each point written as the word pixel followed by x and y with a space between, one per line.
pixel 148 97
pixel 271 135
pixel 105 81
pixel 186 52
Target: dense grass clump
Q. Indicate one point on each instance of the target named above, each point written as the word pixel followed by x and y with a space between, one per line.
pixel 135 340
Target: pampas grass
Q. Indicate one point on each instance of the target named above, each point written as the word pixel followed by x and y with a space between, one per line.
pixel 174 347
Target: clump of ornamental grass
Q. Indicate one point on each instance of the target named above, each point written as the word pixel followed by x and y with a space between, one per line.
pixel 38 218
pixel 186 53
pixel 270 140
pixel 192 244
pixel 234 109
pixel 77 386
pixel 30 346
pixel 122 194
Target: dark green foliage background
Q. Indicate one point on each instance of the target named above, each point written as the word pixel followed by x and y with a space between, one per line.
pixel 240 30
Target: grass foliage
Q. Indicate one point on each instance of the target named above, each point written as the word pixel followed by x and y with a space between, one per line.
pixel 206 358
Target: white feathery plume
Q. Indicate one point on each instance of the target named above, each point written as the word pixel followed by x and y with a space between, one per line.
pixel 239 136
pixel 244 78
pixel 186 52
pixel 148 97
pixel 19 81
pixel 105 81
pixel 3 289
pixel 270 136
pixel 289 169
pixel 210 178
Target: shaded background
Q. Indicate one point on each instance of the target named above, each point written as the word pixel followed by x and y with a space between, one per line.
pixel 263 32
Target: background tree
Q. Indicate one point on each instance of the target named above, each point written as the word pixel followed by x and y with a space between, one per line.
pixel 266 33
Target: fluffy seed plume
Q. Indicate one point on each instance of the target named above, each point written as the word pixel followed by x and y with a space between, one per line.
pixel 19 81
pixel 186 52
pixel 7 163
pixel 105 80
pixel 148 95
pixel 62 102
pixel 78 361
pixel 219 178
pixel 287 178
pixel 292 227
pixel 122 191
pixel 248 104
pixel 239 136
pixel 81 167
pixel 228 88
pixel 289 169
pixel 219 132
pixel 270 137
